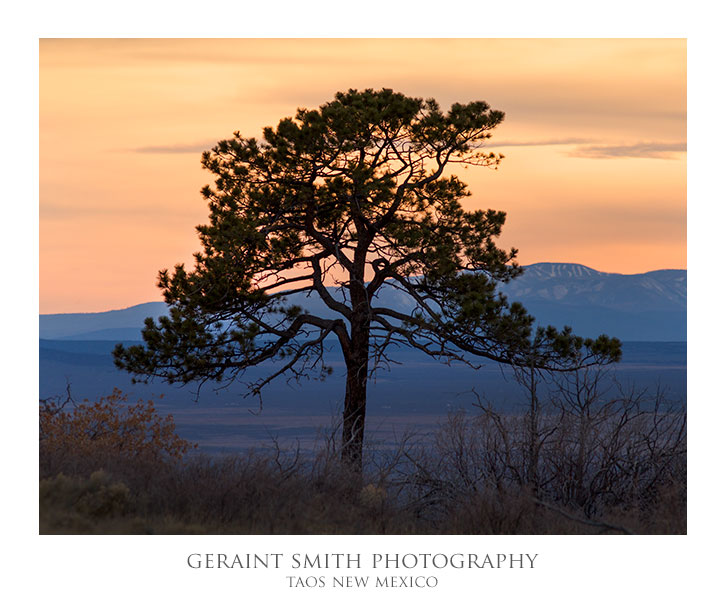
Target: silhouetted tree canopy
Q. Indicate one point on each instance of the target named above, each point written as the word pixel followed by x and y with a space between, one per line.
pixel 349 202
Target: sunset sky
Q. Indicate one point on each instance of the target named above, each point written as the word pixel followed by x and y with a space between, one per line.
pixel 594 139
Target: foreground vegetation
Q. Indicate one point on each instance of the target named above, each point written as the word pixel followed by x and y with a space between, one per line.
pixel 581 467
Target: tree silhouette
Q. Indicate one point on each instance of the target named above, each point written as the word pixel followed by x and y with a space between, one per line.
pixel 348 202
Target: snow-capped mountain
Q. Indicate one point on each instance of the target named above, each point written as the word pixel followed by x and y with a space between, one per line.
pixel 580 285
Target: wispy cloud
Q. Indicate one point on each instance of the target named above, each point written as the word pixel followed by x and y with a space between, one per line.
pixel 649 150
pixel 50 211
pixel 538 143
pixel 584 148
pixel 196 147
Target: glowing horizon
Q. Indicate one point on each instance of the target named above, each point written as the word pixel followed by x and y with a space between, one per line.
pixel 594 139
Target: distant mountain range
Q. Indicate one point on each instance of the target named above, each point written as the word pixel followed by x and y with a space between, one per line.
pixel 633 307
pixel 123 324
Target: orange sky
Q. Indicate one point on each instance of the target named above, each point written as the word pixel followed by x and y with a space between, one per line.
pixel 594 138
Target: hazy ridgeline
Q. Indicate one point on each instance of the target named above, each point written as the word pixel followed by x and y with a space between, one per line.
pixel 632 307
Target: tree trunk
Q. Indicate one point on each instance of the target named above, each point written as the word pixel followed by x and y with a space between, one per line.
pixel 356 357
pixel 356 361
pixel 354 413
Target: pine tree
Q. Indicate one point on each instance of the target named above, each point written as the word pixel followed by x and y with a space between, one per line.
pixel 345 202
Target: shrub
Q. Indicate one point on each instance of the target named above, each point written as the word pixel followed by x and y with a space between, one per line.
pixel 108 430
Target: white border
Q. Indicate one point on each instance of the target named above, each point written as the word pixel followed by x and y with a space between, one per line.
pixel 569 568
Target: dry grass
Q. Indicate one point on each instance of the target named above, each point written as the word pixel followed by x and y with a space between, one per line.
pixel 617 470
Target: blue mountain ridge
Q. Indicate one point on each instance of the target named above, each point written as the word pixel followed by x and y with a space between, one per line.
pixel 634 307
